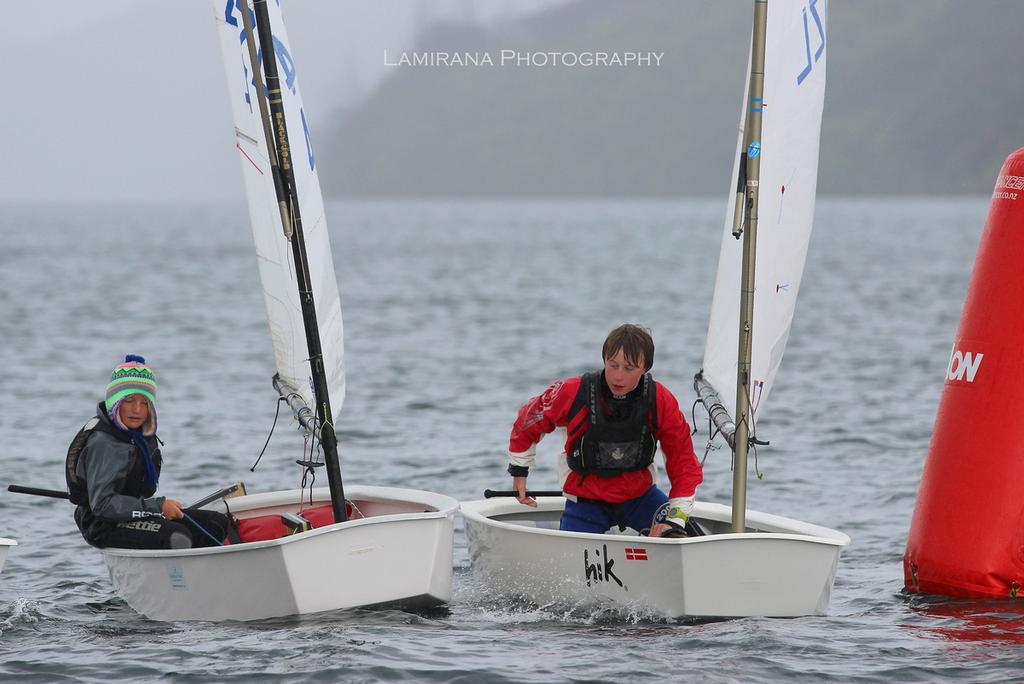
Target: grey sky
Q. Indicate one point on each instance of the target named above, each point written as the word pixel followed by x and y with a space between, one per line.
pixel 125 99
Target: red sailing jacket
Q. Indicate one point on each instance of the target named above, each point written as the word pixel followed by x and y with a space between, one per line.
pixel 550 410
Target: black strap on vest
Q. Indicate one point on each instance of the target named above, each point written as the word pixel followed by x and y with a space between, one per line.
pixel 616 512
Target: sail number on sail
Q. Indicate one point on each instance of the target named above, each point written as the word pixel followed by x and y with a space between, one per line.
pixel 232 15
pixel 820 50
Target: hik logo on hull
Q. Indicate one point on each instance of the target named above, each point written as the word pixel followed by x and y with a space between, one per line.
pixel 600 569
pixel 963 365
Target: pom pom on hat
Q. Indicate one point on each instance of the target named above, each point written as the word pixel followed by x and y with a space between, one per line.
pixel 131 377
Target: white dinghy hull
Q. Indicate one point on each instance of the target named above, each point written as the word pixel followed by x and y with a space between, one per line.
pixel 5 548
pixel 399 553
pixel 780 568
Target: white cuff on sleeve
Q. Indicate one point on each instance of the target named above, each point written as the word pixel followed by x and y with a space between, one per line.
pixel 681 507
pixel 525 458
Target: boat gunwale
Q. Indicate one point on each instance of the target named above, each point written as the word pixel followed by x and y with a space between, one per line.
pixel 471 511
pixel 267 498
pixel 442 502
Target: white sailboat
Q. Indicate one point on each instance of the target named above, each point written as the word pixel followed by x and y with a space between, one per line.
pixel 742 562
pixel 5 548
pixel 369 546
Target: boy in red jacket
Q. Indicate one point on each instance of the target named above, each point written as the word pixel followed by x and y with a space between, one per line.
pixel 614 420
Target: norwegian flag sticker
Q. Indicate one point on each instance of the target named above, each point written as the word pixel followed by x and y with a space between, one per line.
pixel 636 554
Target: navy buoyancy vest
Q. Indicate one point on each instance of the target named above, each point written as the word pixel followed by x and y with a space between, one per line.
pixel 135 483
pixel 612 445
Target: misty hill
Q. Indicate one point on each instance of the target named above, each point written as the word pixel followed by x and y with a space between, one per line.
pixel 922 99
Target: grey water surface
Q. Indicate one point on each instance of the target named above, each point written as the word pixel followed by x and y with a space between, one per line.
pixel 455 314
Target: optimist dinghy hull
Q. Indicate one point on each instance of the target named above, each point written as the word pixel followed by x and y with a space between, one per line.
pixel 399 553
pixel 779 568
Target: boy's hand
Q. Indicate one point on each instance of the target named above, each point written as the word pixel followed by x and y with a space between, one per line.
pixel 519 485
pixel 667 530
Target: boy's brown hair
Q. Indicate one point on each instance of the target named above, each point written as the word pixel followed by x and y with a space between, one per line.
pixel 634 341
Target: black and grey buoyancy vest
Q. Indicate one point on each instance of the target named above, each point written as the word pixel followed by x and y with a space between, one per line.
pixel 135 483
pixel 614 445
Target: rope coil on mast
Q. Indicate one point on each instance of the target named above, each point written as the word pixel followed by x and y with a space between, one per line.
pixel 308 420
pixel 719 414
pixel 723 423
pixel 302 412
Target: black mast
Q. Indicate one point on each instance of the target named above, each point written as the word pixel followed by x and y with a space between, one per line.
pixel 287 196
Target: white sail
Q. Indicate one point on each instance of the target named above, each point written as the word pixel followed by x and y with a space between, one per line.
pixel 273 250
pixel 794 90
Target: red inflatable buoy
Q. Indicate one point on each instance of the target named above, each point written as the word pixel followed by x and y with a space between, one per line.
pixel 967 534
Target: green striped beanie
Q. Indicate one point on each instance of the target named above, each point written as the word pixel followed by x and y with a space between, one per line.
pixel 131 377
